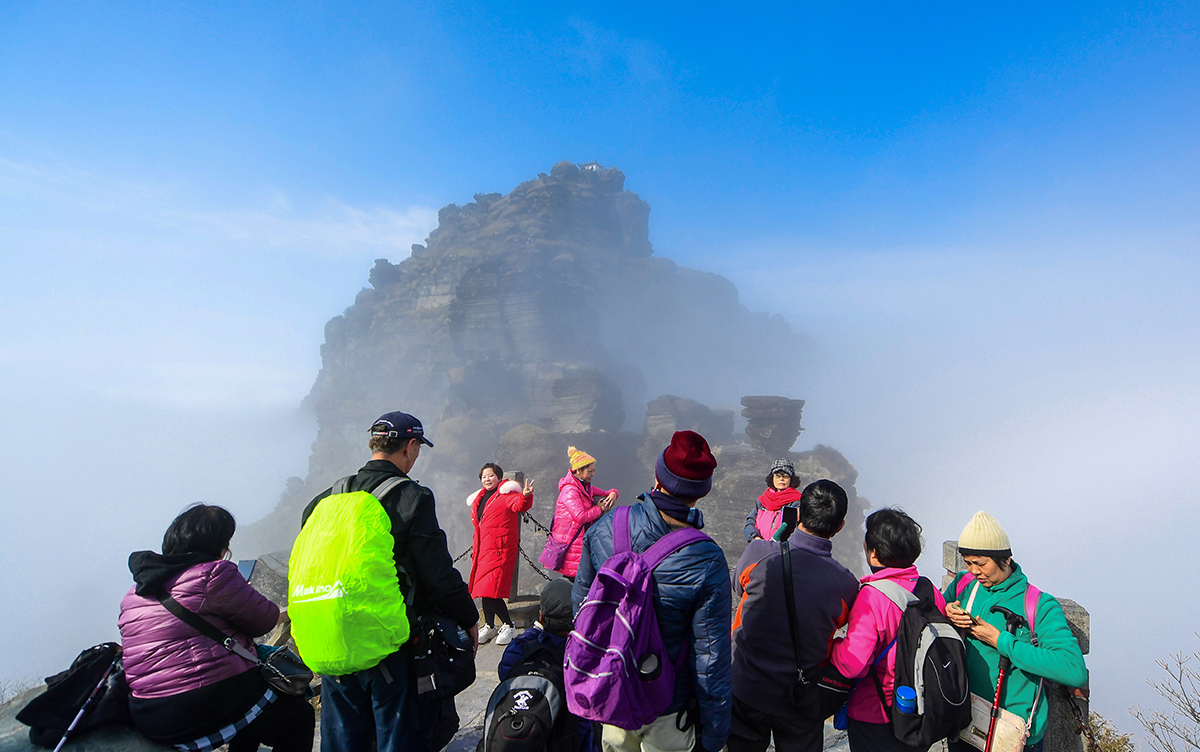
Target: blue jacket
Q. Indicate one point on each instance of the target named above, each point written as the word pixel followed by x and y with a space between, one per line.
pixel 693 602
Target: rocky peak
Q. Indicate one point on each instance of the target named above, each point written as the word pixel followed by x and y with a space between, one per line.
pixel 546 308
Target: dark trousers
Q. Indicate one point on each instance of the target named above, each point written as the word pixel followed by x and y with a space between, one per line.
pixel 751 730
pixel 876 737
pixel 377 706
pixel 285 725
pixel 493 607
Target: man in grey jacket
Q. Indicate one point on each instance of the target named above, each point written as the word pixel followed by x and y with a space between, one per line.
pixel 764 661
pixel 691 600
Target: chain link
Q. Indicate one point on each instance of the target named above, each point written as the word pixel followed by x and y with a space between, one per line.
pixel 533 520
pixel 462 556
pixel 536 568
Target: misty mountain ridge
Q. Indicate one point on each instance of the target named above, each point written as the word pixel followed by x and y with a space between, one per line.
pixel 531 321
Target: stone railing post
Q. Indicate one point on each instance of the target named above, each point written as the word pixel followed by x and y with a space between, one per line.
pixel 1060 731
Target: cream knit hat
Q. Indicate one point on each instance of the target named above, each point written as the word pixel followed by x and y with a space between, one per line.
pixel 984 534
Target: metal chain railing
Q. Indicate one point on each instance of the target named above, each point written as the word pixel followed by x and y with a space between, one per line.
pixel 533 520
pixel 536 568
pixel 533 564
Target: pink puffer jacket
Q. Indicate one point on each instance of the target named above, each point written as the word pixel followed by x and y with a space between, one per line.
pixel 575 508
pixel 164 656
pixel 874 621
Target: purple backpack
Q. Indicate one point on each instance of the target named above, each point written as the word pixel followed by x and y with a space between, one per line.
pixel 616 669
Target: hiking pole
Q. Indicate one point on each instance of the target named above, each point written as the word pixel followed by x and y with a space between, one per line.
pixel 1012 622
pixel 88 702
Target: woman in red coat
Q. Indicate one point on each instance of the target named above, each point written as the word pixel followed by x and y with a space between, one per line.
pixel 495 515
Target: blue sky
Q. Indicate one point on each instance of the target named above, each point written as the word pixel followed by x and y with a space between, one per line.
pixel 984 217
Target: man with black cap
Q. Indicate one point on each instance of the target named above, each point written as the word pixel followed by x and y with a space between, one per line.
pixel 692 601
pixel 379 704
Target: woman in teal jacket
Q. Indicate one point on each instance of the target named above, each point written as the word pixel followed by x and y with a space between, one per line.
pixel 994 579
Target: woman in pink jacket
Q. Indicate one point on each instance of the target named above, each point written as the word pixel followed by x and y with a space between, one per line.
pixel 186 688
pixel 892 545
pixel 579 505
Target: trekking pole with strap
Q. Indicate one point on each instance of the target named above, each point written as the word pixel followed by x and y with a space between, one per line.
pixel 88 702
pixel 1011 623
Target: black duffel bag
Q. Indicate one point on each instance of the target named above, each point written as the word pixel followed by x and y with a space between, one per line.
pixel 97 669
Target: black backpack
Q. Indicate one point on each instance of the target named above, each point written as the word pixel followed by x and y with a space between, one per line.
pixel 50 714
pixel 932 659
pixel 527 712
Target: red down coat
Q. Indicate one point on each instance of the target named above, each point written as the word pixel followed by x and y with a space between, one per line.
pixel 494 539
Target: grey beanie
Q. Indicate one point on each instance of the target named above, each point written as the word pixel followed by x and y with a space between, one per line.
pixel 783 465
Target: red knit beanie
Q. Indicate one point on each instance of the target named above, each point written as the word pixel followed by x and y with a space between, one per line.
pixel 685 467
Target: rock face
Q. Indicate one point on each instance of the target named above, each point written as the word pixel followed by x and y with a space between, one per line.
pixel 14 735
pixel 543 310
pixel 774 422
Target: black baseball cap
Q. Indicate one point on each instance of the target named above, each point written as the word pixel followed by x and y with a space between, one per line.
pixel 398 425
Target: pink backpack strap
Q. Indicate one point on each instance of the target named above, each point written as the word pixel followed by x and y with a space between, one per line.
pixel 1032 596
pixel 963 582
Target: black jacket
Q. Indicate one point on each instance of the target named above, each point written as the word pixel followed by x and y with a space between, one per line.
pixel 421 553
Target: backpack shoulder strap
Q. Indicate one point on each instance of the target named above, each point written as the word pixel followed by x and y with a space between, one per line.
pixel 342 486
pixel 622 536
pixel 895 593
pixel 670 543
pixel 387 485
pixel 1032 598
pixel 963 582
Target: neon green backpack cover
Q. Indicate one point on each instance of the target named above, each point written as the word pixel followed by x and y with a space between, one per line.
pixel 344 597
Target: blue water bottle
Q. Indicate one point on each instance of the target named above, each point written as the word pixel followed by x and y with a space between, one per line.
pixel 906 700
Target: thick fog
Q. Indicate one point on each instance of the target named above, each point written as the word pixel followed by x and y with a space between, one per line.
pixel 1054 386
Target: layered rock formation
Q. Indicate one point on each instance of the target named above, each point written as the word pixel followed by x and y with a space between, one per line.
pixel 536 319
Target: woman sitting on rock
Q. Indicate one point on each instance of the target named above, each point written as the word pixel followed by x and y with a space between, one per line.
pixel 764 519
pixel 495 516
pixel 579 504
pixel 186 688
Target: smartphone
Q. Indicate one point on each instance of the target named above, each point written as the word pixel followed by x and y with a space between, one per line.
pixel 791 517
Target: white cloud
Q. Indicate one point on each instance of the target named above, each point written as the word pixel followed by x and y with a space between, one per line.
pixel 76 198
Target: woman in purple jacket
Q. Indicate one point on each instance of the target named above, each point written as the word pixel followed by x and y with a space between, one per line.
pixel 186 689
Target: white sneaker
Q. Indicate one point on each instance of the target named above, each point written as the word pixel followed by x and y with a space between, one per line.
pixel 506 635
pixel 486 634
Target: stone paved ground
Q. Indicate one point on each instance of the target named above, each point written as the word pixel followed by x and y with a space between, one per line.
pixel 471 706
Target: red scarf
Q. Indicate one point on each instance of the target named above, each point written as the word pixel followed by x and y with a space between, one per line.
pixel 774 500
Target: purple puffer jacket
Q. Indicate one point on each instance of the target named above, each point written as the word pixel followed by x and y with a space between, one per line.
pixel 164 656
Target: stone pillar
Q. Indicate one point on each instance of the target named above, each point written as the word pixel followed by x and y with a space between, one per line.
pixel 774 423
pixel 1060 731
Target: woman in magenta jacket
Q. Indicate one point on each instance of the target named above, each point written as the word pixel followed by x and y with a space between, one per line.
pixel 579 505
pixel 892 545
pixel 495 517
pixel 186 689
